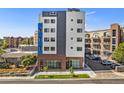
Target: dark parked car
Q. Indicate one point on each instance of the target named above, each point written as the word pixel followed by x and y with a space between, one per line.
pixel 114 65
pixel 97 58
pixel 106 62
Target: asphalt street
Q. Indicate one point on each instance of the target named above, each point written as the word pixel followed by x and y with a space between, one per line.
pixel 88 81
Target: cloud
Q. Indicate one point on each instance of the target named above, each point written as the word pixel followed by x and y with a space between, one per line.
pixel 91 13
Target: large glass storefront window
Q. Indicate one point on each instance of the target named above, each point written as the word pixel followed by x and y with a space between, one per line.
pixel 53 64
pixel 75 63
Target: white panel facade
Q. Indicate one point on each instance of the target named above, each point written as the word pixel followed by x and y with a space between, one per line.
pixel 49 35
pixel 72 35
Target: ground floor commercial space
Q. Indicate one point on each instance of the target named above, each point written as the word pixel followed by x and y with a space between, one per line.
pixel 60 62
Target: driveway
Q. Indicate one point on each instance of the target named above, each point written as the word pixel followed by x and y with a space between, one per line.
pixel 96 65
pixel 102 71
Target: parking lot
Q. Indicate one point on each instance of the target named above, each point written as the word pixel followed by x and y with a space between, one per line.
pixel 96 65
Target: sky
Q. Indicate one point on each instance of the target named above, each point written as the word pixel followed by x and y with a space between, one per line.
pixel 23 21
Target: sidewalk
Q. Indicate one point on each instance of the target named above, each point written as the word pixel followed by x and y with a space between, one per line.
pixel 16 78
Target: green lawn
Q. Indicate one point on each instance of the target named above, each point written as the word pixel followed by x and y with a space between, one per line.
pixel 62 76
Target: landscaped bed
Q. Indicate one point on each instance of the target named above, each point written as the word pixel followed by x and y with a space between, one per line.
pixel 62 76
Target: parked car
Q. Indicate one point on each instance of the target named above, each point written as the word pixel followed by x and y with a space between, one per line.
pixel 87 56
pixel 91 57
pixel 97 58
pixel 114 65
pixel 106 62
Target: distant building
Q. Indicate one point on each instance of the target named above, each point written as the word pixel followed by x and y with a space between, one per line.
pixel 14 42
pixel 36 38
pixel 28 48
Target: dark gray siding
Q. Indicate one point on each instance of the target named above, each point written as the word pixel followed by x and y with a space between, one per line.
pixel 49 13
pixel 61 32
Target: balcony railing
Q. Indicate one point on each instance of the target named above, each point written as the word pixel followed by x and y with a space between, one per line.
pixel 87 37
pixel 96 43
pixel 96 38
pixel 96 48
pixel 106 37
pixel 87 42
pixel 106 43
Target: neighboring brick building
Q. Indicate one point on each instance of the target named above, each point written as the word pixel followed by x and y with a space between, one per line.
pixel 104 42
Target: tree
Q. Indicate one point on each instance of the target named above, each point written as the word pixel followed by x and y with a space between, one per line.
pixel 2 51
pixel 45 68
pixel 118 54
pixel 1 42
pixel 5 44
pixel 28 60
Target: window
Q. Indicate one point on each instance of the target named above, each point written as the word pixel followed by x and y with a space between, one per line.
pixel 113 48
pixel 71 38
pixel 74 63
pixel 71 29
pixel 114 32
pixel 71 47
pixel 71 20
pixel 79 21
pixel 79 30
pixel 46 39
pixel 79 39
pixel 53 13
pixel 46 48
pixel 53 64
pixel 46 20
pixel 46 30
pixel 52 48
pixel 79 48
pixel 52 20
pixel 113 40
pixel 52 30
pixel 52 39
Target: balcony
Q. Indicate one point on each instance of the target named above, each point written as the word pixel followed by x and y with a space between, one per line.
pixel 87 36
pixel 87 42
pixel 106 47
pixel 96 38
pixel 96 52
pixel 96 43
pixel 96 47
pixel 106 37
pixel 106 43
pixel 87 46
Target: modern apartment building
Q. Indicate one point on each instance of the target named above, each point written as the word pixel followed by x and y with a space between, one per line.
pixel 61 39
pixel 14 42
pixel 104 42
